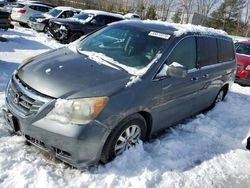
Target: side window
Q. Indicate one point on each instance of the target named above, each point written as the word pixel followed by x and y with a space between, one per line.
pixel 99 20
pixel 226 50
pixel 184 53
pixel 207 51
pixel 110 19
pixel 43 9
pixel 69 14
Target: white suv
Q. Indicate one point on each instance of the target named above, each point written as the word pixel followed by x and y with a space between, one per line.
pixel 24 10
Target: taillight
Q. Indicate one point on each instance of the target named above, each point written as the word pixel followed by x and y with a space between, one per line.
pixel 21 11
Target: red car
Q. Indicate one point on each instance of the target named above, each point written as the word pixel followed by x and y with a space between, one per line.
pixel 243 62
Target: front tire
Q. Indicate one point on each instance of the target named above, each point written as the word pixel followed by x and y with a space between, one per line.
pixel 75 36
pixel 125 135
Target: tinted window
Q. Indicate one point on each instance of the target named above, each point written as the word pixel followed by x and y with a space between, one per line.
pixel 20 5
pixel 99 20
pixel 243 48
pixel 184 53
pixel 110 19
pixel 226 50
pixel 207 51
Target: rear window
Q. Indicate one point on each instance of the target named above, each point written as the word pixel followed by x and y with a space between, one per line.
pixel 226 50
pixel 207 51
pixel 20 5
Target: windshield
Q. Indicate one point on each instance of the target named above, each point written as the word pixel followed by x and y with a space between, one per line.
pixel 54 12
pixel 242 48
pixel 83 16
pixel 127 46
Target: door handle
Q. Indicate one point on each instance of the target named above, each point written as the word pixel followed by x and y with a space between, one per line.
pixel 205 76
pixel 194 78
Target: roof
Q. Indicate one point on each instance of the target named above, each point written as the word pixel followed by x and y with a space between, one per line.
pixel 63 8
pixel 99 12
pixel 175 29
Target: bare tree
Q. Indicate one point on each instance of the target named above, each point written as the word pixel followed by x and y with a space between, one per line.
pixel 187 6
pixel 205 6
pixel 165 6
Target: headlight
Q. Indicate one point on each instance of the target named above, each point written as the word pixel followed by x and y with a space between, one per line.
pixel 77 111
pixel 40 20
pixel 248 67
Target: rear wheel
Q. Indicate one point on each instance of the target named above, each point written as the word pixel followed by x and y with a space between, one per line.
pixel 46 28
pixel 126 135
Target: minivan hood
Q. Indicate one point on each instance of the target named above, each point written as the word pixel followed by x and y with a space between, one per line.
pixel 63 73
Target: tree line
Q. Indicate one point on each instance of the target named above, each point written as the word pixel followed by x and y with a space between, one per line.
pixel 233 16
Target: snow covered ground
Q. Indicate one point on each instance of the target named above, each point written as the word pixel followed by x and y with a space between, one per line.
pixel 206 151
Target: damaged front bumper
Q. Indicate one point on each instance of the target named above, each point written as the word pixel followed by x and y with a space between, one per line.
pixel 58 32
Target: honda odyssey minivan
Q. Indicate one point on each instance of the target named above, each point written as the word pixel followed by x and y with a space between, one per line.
pixel 90 102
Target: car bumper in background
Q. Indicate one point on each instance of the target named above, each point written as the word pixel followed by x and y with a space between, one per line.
pixel 36 26
pixel 243 77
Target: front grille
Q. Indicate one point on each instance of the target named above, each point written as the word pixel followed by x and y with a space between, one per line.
pixel 239 67
pixel 36 142
pixel 18 98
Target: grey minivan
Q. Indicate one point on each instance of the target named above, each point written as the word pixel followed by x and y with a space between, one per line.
pixel 90 102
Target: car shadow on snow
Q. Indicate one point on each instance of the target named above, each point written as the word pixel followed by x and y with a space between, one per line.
pixel 6 70
pixel 12 32
pixel 187 145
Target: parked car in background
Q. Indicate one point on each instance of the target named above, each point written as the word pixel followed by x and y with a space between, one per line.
pixel 40 22
pixel 7 2
pixel 243 62
pixel 91 101
pixel 5 21
pixel 22 11
pixel 69 30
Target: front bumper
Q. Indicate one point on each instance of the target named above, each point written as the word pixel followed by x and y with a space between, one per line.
pixel 77 145
pixel 36 26
pixel 57 33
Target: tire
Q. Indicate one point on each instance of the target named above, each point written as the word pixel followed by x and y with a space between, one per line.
pixel 46 28
pixel 120 140
pixel 24 25
pixel 219 97
pixel 75 36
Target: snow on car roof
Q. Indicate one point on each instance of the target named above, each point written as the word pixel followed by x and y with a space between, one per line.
pixel 63 8
pixel 99 12
pixel 182 29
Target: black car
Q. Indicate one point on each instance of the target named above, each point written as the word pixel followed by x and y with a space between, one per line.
pixel 69 30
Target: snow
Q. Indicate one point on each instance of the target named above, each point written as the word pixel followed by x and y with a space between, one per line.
pixel 185 28
pixel 133 80
pixel 204 151
pixel 99 12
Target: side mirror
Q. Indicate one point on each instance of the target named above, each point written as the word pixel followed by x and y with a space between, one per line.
pixel 176 70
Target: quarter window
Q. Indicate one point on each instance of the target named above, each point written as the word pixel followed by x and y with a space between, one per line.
pixel 184 53
pixel 226 50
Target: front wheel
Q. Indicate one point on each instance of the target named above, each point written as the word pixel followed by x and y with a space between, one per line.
pixel 126 135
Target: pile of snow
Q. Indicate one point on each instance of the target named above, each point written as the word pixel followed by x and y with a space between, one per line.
pixel 185 28
pixel 205 151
